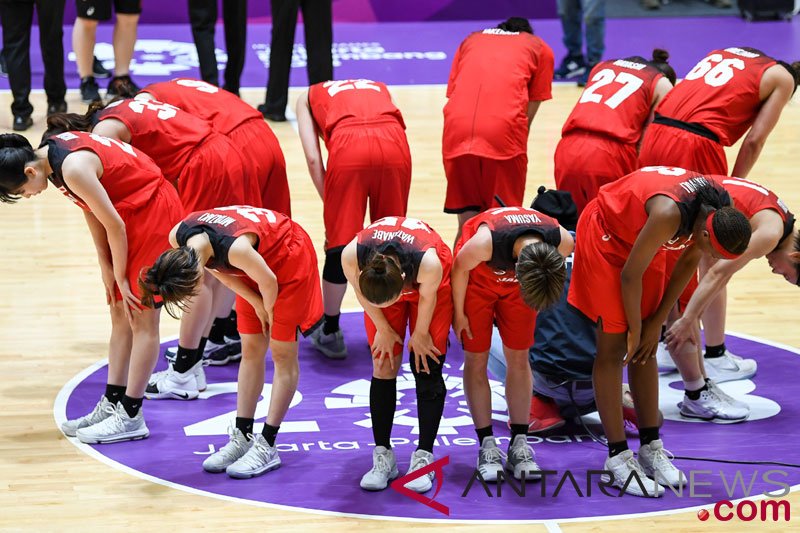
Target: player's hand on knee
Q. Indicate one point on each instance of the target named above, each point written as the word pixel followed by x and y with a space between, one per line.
pixel 634 336
pixel 107 272
pixel 421 344
pixel 130 302
pixel 648 341
pixel 383 345
pixel 461 327
pixel 682 331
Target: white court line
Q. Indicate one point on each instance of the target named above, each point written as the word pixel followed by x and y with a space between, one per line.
pixel 60 412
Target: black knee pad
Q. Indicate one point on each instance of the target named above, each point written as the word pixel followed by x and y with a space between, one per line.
pixel 429 386
pixel 332 272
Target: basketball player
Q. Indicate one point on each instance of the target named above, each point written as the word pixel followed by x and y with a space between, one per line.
pixel 400 270
pixel 509 263
pixel 618 281
pixel 207 170
pixel 498 79
pixel 129 208
pixel 269 261
pixel 368 159
pixel 600 140
pixel 773 237
pixel 726 94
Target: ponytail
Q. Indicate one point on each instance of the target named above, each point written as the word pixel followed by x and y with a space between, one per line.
pixel 660 61
pixel 381 280
pixel 174 277
pixel 60 122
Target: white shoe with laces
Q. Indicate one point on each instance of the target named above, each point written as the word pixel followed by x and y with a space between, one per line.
pixel 99 413
pixel 657 464
pixel 521 460
pixel 117 427
pixel 172 385
pixel 625 469
pixel 727 397
pixel 711 406
pixel 237 446
pixel 490 460
pixel 384 469
pixel 259 459
pixel 729 367
pixel 420 459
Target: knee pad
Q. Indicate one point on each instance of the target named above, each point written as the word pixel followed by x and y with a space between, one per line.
pixel 332 272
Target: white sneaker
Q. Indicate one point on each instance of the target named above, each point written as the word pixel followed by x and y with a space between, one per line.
pixel 657 464
pixel 521 460
pixel 237 446
pixel 259 459
pixel 117 427
pixel 664 359
pixel 490 460
pixel 384 469
pixel 712 406
pixel 420 459
pixel 725 396
pixel 169 384
pixel 730 367
pixel 331 345
pixel 98 414
pixel 623 467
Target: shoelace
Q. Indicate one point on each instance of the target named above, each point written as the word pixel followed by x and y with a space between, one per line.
pixel 633 464
pixel 524 453
pixel 662 459
pixel 492 455
pixel 93 417
pixel 234 446
pixel 261 455
pixel 114 420
pixel 381 464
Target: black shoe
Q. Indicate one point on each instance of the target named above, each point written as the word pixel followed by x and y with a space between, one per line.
pixel 3 65
pixel 223 355
pixel 122 86
pixel 22 123
pixel 59 107
pixel 274 117
pixel 99 71
pixel 90 91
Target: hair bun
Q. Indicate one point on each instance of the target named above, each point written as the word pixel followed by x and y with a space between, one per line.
pixel 14 140
pixel 660 55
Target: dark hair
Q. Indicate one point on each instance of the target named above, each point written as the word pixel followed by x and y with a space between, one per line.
pixel 174 277
pixel 516 24
pixel 797 249
pixel 381 280
pixel 732 229
pixel 15 152
pixel 541 273
pixel 61 122
pixel 660 61
pixel 794 70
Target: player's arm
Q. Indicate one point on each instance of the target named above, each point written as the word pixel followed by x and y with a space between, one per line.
pixel 243 256
pixel 779 85
pixel 567 245
pixel 350 267
pixel 663 86
pixel 662 223
pixel 429 278
pixel 309 138
pixel 475 251
pixel 113 129
pixel 533 107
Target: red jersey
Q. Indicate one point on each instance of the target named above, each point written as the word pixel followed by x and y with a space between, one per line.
pixel 506 225
pixel 721 93
pixel 130 177
pixel 750 198
pixel 409 239
pixel 622 203
pixel 166 133
pixel 224 224
pixel 224 110
pixel 495 74
pixel 335 103
pixel 616 103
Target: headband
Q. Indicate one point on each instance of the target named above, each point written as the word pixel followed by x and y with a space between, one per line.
pixel 714 242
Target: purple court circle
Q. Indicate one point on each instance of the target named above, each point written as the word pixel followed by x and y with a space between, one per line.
pixel 325 443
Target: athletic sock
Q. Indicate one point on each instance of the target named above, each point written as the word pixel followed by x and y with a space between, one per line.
pixel 245 425
pixel 114 393
pixel 231 330
pixel 331 324
pixel 483 433
pixel 185 360
pixel 270 432
pixel 217 333
pixel 201 348
pixel 429 414
pixel 131 405
pixel 648 435
pixel 616 448
pixel 382 403
pixel 518 429
pixel 712 352
pixel 694 394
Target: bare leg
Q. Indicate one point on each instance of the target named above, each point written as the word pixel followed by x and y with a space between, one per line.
pixel 384 371
pixel 119 346
pixel 519 385
pixel 84 33
pixel 644 388
pixel 607 379
pixel 477 389
pixel 462 218
pixel 251 373
pixel 332 296
pixel 124 42
pixel 284 382
pixel 195 318
pixel 144 351
pixel 223 300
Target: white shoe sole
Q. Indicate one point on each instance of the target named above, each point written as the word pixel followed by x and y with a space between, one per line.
pixel 172 395
pixel 330 354
pixel 392 476
pixel 121 437
pixel 274 465
pixel 491 477
pixel 422 489
pixel 534 476
pixel 659 491
pixel 714 419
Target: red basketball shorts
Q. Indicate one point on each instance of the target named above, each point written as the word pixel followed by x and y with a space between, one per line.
pixel 364 163
pixel 403 313
pixel 596 288
pixel 474 181
pixel 673 147
pixel 299 303
pixel 584 162
pixel 213 177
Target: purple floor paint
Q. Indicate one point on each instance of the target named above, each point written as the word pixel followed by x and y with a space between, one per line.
pixel 421 53
pixel 325 442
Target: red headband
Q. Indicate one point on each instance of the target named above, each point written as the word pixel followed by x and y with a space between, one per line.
pixel 713 238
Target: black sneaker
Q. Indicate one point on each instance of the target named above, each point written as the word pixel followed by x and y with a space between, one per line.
pixel 99 71
pixel 274 117
pixel 3 65
pixel 22 122
pixel 571 67
pixel 223 355
pixel 90 91
pixel 122 86
pixel 58 107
